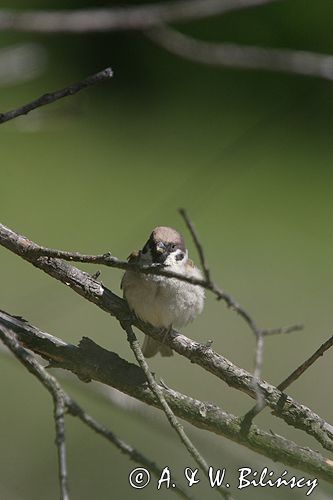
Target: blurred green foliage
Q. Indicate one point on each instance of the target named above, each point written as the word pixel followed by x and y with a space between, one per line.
pixel 247 153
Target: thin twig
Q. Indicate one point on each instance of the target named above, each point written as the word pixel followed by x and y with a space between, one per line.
pixel 258 364
pixel 306 365
pixel 64 403
pixel 293 376
pixel 59 418
pixel 197 242
pixel 231 55
pixel 259 333
pixel 118 18
pixel 209 284
pixel 283 330
pixel 157 391
pixel 50 97
pixel 132 453
pixel 9 339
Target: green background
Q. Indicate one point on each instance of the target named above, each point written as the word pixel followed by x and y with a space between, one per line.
pixel 248 154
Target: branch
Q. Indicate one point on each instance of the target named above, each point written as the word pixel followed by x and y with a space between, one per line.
pixel 107 259
pixel 306 365
pixel 62 403
pixel 31 251
pixel 258 332
pixel 50 97
pixel 91 362
pixel 59 404
pixel 118 18
pixel 197 242
pixel 156 390
pixel 230 55
pixel 285 407
pixel 255 410
pixel 235 306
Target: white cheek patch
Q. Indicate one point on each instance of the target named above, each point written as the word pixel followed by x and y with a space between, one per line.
pixel 172 260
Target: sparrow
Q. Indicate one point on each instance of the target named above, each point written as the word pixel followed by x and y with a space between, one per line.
pixel 161 301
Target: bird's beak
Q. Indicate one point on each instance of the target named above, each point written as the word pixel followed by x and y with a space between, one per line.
pixel 161 252
pixel 160 248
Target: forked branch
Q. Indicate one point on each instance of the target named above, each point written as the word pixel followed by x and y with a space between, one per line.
pixel 284 406
pixel 91 362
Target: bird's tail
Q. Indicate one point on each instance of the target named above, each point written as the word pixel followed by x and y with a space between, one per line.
pixel 150 347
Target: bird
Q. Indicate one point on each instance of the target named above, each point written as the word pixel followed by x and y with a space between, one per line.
pixel 161 301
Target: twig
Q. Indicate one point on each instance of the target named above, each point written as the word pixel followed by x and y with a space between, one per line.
pixel 285 407
pixel 231 55
pixel 59 418
pixel 197 242
pixel 118 18
pixel 258 363
pixel 64 403
pixel 157 391
pixel 125 448
pixel 283 330
pixel 293 376
pixel 91 362
pixel 10 340
pixel 220 294
pixel 258 332
pixel 304 366
pixel 50 97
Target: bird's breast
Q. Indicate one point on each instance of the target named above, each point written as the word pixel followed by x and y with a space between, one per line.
pixel 161 301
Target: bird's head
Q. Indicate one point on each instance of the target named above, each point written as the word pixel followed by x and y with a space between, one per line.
pixel 165 247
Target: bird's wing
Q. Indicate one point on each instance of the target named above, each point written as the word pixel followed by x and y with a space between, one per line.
pixel 133 257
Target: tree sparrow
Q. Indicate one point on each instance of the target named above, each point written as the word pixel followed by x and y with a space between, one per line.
pixel 159 300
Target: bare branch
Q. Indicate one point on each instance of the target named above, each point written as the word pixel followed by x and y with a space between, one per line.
pixel 197 242
pixel 64 403
pixel 34 251
pixel 306 365
pixel 231 55
pixel 293 376
pixel 59 418
pixel 283 330
pixel 284 406
pixel 118 18
pixel 91 362
pixel 122 446
pixel 259 333
pixel 156 390
pixel 50 383
pixel 50 97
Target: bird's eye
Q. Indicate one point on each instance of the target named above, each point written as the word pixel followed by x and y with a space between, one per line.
pixel 173 246
pixel 180 256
